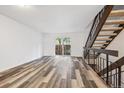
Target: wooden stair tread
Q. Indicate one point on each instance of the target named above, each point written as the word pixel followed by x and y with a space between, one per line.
pixel 100 43
pixel 99 46
pixel 112 29
pixel 116 13
pixel 100 35
pixel 103 39
pixel 109 22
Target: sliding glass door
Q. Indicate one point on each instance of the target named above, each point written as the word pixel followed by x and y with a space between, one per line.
pixel 63 46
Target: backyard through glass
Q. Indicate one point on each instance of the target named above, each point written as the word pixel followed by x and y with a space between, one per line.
pixel 63 46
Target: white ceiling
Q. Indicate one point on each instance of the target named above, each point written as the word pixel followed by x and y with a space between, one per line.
pixel 54 18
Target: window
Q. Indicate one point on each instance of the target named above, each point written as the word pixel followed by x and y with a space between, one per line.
pixel 63 46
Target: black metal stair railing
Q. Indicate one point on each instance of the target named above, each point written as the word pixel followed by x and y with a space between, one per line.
pixel 114 73
pixel 109 71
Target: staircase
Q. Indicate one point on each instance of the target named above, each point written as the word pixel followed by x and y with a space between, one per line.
pixel 107 25
pixel 111 28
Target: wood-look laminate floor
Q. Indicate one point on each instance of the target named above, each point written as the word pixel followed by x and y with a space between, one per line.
pixel 52 72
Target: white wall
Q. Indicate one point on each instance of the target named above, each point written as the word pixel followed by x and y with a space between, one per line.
pixel 117 44
pixel 18 43
pixel 76 43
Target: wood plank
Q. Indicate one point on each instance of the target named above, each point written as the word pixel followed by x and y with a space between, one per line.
pixel 50 72
pixel 51 83
pixel 93 84
pixel 63 83
pixel 34 82
pixel 103 39
pixel 111 28
pixel 102 35
pixel 96 79
pixel 110 22
pixel 24 79
pixel 74 83
pixel 100 43
pixel 79 79
pixel 115 13
pixel 68 79
pixel 43 85
pixel 17 84
pixel 58 81
pixel 85 76
pixel 98 46
pixel 38 82
pixel 49 76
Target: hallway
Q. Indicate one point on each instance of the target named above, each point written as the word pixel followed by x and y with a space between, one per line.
pixel 58 71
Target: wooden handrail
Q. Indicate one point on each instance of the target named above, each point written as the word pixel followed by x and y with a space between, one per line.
pixel 113 66
pixel 105 51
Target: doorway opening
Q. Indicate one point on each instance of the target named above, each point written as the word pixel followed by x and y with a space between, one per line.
pixel 63 46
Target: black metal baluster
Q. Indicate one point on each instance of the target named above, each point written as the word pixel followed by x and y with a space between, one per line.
pixel 103 67
pixel 114 81
pixel 111 73
pixel 107 74
pixel 116 72
pixel 88 57
pixel 94 59
pixel 100 64
pixel 119 77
